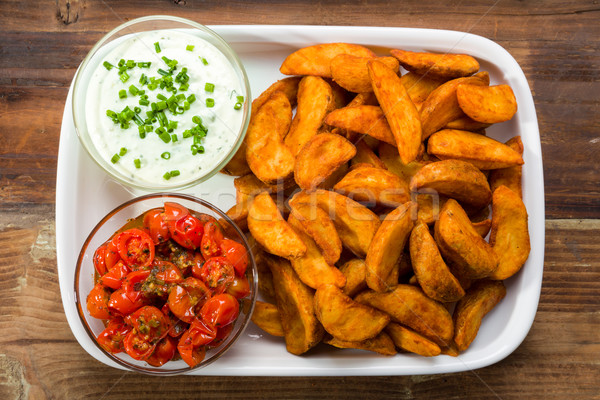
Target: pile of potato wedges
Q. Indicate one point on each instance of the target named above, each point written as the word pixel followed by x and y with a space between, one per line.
pixel 380 214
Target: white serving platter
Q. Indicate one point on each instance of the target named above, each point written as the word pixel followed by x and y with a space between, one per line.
pixel 84 194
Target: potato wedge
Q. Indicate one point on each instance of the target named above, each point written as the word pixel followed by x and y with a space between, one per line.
pixel 364 155
pixel 373 185
pixel 317 224
pixel 364 99
pixel 381 344
pixel 238 165
pixel 411 341
pixel 390 157
pixel 457 179
pixel 461 245
pixel 351 73
pixel 355 271
pixel 487 104
pixel 470 310
pixel 465 123
pixel 265 277
pixel 445 66
pixel 268 157
pixel 346 319
pixel 356 224
pixel 295 302
pixel 266 317
pixel 399 110
pixel 315 100
pixel 409 306
pixel 510 233
pixel 429 206
pixel 431 271
pixel 268 227
pixel 364 119
pixel 388 243
pixel 248 186
pixel 320 157
pixel 239 214
pixel 511 176
pixel 316 60
pixel 312 268
pixel 481 151
pixel 483 227
pixel 441 107
pixel 419 87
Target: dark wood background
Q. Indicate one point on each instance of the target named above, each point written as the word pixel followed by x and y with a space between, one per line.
pixel 555 42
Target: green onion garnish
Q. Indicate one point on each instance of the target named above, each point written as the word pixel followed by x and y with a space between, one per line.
pixel 133 90
pixel 166 155
pixel 157 47
pixel 210 102
pixel 144 64
pixel 237 106
pixel 240 99
pixel 173 138
pixel 204 61
pixel 167 176
pixel 189 47
pixel 123 151
pixel 124 76
pixel 175 172
pixel 121 62
pixel 209 87
pixel 137 163
pixel 130 64
pixel 115 158
pixel 163 72
pixel 122 94
pixel 108 65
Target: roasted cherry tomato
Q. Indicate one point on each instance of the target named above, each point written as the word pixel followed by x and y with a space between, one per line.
pixel 119 303
pixel 184 298
pixel 222 334
pixel 239 288
pixel 192 343
pixel 187 231
pixel 157 226
pixel 236 254
pixel 174 211
pixel 112 256
pixel 115 276
pixel 149 322
pixel 111 338
pixel 137 347
pixel 211 240
pixel 97 302
pixel 168 272
pixel 136 248
pixel 132 285
pixel 220 310
pixel 163 352
pixel 217 273
pixel 190 354
pixel 100 260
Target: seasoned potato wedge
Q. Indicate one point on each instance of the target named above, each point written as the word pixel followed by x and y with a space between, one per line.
pixel 481 151
pixel 445 66
pixel 411 341
pixel 266 317
pixel 320 157
pixel 316 60
pixel 457 179
pixel 364 99
pixel 431 271
pixel 419 87
pixel 268 157
pixel 239 214
pixel 355 271
pixel 238 165
pixel 364 119
pixel 289 87
pixel 315 100
pixel 487 104
pixel 388 243
pixel 346 319
pixel 249 186
pixel 390 157
pixel 480 299
pixel 350 72
pixel 510 233
pixel 365 155
pixel 370 184
pixel 461 245
pixel 268 227
pixel 295 302
pixel 381 344
pixel 319 226
pixel 312 268
pixel 356 224
pixel 465 123
pixel 441 107
pixel 429 206
pixel 511 176
pixel 483 227
pixel 400 112
pixel 409 306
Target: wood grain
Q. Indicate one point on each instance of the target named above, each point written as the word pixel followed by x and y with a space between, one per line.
pixel 555 42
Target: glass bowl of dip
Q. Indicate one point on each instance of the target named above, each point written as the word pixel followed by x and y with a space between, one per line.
pixel 161 103
pixel 126 216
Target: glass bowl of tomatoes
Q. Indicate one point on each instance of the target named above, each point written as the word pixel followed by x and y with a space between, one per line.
pixel 165 284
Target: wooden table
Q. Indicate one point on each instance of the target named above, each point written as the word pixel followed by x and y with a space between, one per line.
pixel 555 42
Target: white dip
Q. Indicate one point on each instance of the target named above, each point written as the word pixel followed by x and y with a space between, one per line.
pixel 150 160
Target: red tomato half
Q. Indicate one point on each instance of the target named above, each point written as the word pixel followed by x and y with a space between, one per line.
pixel 211 240
pixel 222 334
pixel 239 288
pixel 191 346
pixel 220 310
pixel 186 297
pixel 97 302
pixel 111 338
pixel 112 256
pixel 119 303
pixel 149 322
pixel 187 231
pixel 133 282
pixel 190 354
pixel 217 273
pixel 236 254
pixel 174 211
pixel 100 260
pixel 137 347
pixel 163 352
pixel 157 227
pixel 136 248
pixel 114 277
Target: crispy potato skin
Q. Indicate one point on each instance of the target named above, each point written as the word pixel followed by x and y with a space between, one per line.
pixel 346 319
pixel 510 233
pixel 399 110
pixel 365 155
pixel 351 73
pixel 266 317
pixel 387 245
pixel 389 156
pixel 409 306
pixel 419 87
pixel 411 341
pixel 481 151
pixel 487 104
pixel 295 302
pixel 316 60
pixel 457 179
pixel 444 66
pixel 461 245
pixel 480 299
pixel 511 176
pixel 268 227
pixel 365 119
pixel 381 344
pixel 355 271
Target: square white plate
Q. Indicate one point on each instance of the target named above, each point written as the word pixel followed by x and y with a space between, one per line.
pixel 84 194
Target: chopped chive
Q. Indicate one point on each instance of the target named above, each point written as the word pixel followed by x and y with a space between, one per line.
pixel 143 79
pixel 204 61
pixel 191 98
pixel 165 137
pixel 201 149
pixel 161 105
pixel 144 64
pixel 237 106
pixel 210 102
pixel 196 119
pixel 137 163
pixel 186 134
pixel 167 176
pixel 189 47
pixel 124 76
pixel 133 90
pixel 130 64
pixel 148 128
pixel 174 138
pixel 122 94
pixel 122 151
pixel 115 158
pixel 163 72
pixel 186 105
pixel 166 155
pixel 137 110
pixel 108 65
pixel 209 87
pixel 138 121
pixel 157 47
pixel 240 99
pixel 121 62
pixel 184 87
pixel 175 172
